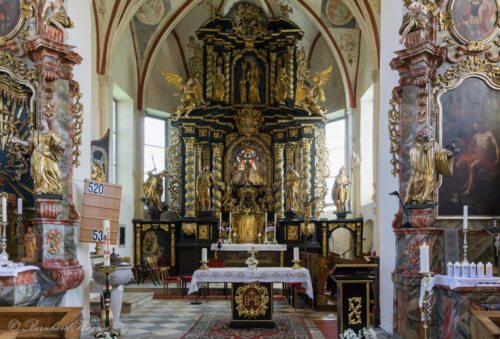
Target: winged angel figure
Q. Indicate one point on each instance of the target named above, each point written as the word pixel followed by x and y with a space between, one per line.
pixel 312 94
pixel 191 93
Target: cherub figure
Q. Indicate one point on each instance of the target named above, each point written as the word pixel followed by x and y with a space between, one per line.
pixel 190 92
pixel 315 93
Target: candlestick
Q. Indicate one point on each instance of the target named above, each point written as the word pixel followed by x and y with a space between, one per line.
pixel 465 244
pixel 296 259
pixel 204 254
pixel 424 302
pixel 107 315
pixel 466 214
pixel 424 258
pixel 19 206
pixel 4 209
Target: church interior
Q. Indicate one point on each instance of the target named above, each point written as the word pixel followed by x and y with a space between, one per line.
pixel 250 169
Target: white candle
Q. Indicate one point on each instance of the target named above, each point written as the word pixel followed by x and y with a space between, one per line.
pixel 424 258
pixel 473 270
pixel 480 270
pixel 295 254
pixel 489 270
pixel 107 239
pixel 4 209
pixel 204 254
pixel 449 269
pixel 465 270
pixel 457 270
pixel 19 206
pixel 466 214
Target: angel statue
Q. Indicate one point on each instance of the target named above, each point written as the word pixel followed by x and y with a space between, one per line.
pixel 58 16
pixel 46 149
pixel 315 93
pixel 191 93
pixel 153 191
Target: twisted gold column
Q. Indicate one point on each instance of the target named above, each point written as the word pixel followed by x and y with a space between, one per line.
pixel 217 172
pixel 273 77
pixel 306 166
pixel 289 155
pixel 210 72
pixel 278 179
pixel 189 189
pixel 227 76
pixel 289 65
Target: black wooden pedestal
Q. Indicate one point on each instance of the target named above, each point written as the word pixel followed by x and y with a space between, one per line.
pixel 252 305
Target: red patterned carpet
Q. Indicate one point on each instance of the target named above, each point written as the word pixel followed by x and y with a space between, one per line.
pixel 327 327
pixel 216 326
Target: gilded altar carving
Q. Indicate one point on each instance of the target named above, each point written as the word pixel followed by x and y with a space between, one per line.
pixel 252 300
pixel 76 121
pixel 249 120
pixel 205 182
pixel 394 131
pixel 204 232
pixel 321 172
pixel 309 229
pixel 189 189
pixel 354 309
pixel 311 95
pixel 190 92
pixel 174 175
pixel 217 175
pixel 98 172
pixel 188 229
pixel 292 232
pixel 248 22
pixel 26 12
pixel 292 185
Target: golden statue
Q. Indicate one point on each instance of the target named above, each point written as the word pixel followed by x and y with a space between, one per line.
pixel 282 84
pixel 46 148
pixel 153 189
pixel 292 182
pixel 339 191
pixel 267 200
pixel 253 76
pixel 219 89
pixel 58 17
pixel 228 202
pixel 98 173
pixel 191 93
pixel 428 160
pixel 30 243
pixel 243 85
pixel 205 183
pixel 303 71
pixel 312 94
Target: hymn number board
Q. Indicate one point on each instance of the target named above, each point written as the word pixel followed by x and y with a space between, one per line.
pixel 101 201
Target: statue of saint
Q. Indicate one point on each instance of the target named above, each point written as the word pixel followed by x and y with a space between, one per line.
pixel 339 192
pixel 282 83
pixel 292 182
pixel 205 183
pixel 428 160
pixel 414 20
pixel 58 16
pixel 243 84
pixel 153 189
pixel 228 202
pixel 253 76
pixel 237 175
pixel 98 173
pixel 219 89
pixel 30 244
pixel 267 200
pixel 46 148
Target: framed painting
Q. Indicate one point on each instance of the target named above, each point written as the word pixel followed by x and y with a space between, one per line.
pixel 474 20
pixel 13 13
pixel 470 118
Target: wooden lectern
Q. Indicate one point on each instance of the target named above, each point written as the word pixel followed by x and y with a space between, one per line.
pixel 353 295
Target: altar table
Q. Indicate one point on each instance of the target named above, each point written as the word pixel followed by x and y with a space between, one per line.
pixel 252 296
pixel 235 255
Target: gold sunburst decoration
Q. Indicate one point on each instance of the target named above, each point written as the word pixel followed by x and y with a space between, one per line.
pixel 248 23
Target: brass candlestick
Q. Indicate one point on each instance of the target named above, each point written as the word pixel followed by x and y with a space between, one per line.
pixel 204 266
pixel 296 265
pixel 426 305
pixel 106 313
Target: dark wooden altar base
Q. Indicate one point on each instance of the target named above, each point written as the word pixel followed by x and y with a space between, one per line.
pixel 237 258
pixel 252 324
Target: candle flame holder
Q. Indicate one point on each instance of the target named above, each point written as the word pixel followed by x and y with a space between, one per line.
pixel 296 265
pixel 204 266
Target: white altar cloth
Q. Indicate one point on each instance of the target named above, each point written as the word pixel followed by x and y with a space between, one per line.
pixel 244 275
pixel 14 271
pixel 248 247
pixel 458 282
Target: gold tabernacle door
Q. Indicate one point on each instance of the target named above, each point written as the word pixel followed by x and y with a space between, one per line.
pixel 248 226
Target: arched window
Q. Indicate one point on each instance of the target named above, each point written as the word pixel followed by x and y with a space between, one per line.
pixel 336 147
pixel 155 144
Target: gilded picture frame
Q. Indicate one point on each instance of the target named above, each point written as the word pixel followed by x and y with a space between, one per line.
pixel 473 20
pixel 467 116
pixel 13 15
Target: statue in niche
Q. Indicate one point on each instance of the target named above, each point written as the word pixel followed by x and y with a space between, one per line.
pixel 267 201
pixel 339 191
pixel 243 84
pixel 292 182
pixel 153 191
pixel 237 174
pixel 428 160
pixel 30 244
pixel 248 198
pixel 414 20
pixel 282 84
pixel 219 88
pixel 205 183
pixel 228 202
pixel 46 149
pixel 58 16
pixel 253 76
pixel 98 172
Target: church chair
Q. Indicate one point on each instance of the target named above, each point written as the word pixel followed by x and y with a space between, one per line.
pixel 159 270
pixel 167 279
pixel 145 272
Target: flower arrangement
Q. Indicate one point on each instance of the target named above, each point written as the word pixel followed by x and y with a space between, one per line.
pixel 362 334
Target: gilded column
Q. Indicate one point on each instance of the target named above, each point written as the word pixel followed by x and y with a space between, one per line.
pixel 306 166
pixel 210 72
pixel 273 77
pixel 289 66
pixel 227 76
pixel 217 173
pixel 323 242
pixel 278 179
pixel 289 157
pixel 198 159
pixel 189 189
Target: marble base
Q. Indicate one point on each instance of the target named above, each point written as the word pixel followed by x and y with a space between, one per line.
pixel 19 286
